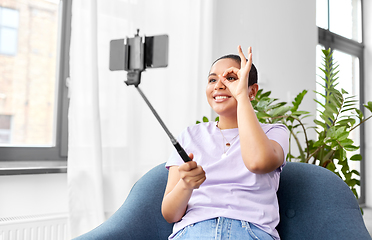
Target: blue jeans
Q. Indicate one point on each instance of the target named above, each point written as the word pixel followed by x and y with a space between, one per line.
pixel 222 228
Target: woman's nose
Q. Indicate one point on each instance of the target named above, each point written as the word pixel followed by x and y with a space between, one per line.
pixel 219 85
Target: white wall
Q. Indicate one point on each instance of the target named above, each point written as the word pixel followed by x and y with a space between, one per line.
pixel 25 195
pixel 367 38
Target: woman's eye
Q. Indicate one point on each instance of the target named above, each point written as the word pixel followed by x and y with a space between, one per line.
pixel 212 80
pixel 231 78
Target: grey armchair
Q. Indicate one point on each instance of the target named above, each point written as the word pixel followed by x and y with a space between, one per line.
pixel 314 204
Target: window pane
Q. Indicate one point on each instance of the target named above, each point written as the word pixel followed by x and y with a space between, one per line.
pixel 28 79
pixel 322 13
pixel 345 18
pixel 5 126
pixel 8 41
pixel 9 18
pixel 349 81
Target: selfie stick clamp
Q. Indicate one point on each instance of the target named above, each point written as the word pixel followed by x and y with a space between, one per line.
pixel 133 77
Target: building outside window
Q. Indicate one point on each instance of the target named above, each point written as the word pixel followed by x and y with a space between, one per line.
pixel 33 41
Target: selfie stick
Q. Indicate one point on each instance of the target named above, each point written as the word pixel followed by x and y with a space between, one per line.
pixel 134 78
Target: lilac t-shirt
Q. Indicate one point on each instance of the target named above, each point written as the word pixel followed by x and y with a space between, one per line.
pixel 230 189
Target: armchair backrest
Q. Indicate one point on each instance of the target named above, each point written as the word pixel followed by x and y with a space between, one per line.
pixel 314 203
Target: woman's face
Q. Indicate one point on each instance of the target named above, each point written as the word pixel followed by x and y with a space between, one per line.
pixel 218 96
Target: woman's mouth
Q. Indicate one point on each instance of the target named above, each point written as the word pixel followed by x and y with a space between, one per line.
pixel 221 98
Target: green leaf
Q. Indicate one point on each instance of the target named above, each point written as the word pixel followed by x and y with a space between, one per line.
pixel 343 135
pixel 340 155
pixel 265 94
pixel 349 122
pixel 205 119
pixel 331 108
pixel 355 172
pixel 327 157
pixel 360 114
pixel 280 111
pixel 331 166
pixel 368 106
pixel 300 112
pixel 217 119
pixel 356 157
pixel 262 115
pixel 197 122
pixel 263 104
pixel 347 110
pixel 330 114
pixel 351 148
pixel 276 105
pixel 298 99
pixel 322 124
pixel 321 104
pixel 326 119
pixel 346 142
pixel 335 102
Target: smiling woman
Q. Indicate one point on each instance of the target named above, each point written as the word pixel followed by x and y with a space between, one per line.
pixel 246 166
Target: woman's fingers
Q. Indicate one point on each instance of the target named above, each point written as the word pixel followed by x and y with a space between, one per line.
pixel 249 58
pixel 243 60
pixel 230 70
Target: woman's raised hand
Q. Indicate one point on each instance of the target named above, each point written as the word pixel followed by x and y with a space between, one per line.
pixel 239 87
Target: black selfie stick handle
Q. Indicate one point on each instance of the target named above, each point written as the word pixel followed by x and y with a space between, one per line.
pixel 182 152
pixel 175 143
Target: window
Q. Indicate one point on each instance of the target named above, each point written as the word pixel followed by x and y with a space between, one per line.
pixel 5 129
pixel 34 43
pixel 340 28
pixel 9 19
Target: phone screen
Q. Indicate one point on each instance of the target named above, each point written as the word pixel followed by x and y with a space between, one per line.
pixel 156 48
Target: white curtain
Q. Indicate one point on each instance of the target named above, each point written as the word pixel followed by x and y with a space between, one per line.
pixel 113 137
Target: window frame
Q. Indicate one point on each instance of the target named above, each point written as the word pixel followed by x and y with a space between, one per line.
pixel 36 160
pixel 334 41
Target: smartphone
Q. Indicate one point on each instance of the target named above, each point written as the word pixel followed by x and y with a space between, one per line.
pixel 135 54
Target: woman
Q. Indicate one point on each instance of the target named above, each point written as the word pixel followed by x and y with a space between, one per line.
pixel 229 189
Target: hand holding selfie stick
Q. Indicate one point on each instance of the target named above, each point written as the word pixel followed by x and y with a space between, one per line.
pixel 135 63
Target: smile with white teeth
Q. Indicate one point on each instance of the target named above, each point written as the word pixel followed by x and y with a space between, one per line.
pixel 220 97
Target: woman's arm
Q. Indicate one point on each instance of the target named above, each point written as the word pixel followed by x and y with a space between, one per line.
pixel 260 154
pixel 182 181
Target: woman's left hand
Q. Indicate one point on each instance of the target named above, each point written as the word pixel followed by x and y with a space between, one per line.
pixel 239 87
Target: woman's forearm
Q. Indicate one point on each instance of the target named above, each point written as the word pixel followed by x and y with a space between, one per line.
pixel 175 203
pixel 259 153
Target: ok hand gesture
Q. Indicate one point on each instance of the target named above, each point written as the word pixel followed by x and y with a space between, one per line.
pixel 239 87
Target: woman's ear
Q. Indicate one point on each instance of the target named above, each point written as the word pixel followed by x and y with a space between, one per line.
pixel 253 89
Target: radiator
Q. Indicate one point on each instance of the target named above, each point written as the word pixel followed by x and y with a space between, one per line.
pixel 36 227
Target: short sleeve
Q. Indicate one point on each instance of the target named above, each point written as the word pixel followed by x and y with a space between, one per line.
pixel 280 134
pixel 175 159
